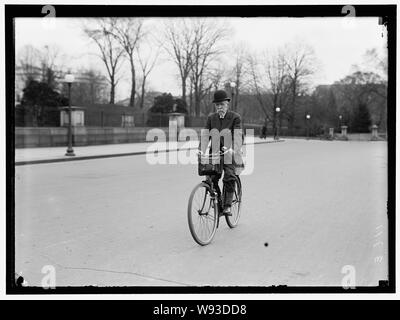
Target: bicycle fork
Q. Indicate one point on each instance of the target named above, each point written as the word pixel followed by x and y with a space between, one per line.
pixel 217 203
pixel 216 199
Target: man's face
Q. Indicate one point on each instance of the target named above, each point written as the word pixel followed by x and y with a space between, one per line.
pixel 222 107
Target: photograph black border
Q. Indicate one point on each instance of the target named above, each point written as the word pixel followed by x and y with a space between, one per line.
pixel 389 19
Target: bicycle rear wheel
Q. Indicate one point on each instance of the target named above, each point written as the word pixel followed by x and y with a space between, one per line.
pixel 233 220
pixel 202 214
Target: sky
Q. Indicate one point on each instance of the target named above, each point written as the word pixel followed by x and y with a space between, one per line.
pixel 338 44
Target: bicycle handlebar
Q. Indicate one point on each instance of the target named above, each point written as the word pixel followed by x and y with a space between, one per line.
pixel 219 153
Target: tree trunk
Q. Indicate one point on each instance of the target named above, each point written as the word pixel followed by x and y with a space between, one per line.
pixel 143 91
pixel 184 89
pixel 112 91
pixel 293 108
pixel 191 100
pixel 133 86
pixel 196 102
pixel 35 116
pixel 91 93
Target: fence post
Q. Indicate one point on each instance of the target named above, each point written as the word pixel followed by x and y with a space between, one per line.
pixel 375 133
pixel 344 133
pixel 331 133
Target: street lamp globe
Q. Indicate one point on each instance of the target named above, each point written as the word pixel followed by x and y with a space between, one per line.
pixel 278 109
pixel 232 86
pixel 308 117
pixel 69 78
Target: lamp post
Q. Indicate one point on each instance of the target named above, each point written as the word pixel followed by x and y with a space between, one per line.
pixel 232 86
pixel 277 122
pixel 69 78
pixel 307 121
pixel 340 120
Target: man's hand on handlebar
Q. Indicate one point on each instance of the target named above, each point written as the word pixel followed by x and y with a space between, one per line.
pixel 226 150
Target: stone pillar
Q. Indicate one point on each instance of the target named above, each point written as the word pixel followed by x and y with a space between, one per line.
pixel 331 133
pixel 176 123
pixel 344 133
pixel 77 116
pixel 375 132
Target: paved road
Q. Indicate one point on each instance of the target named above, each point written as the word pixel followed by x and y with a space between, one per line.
pixel 119 221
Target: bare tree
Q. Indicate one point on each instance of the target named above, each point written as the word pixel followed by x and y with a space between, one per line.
pixel 146 65
pixel 51 65
pixel 111 51
pixel 28 62
pixel 279 83
pixel 43 65
pixel 238 70
pixel 257 86
pixel 208 35
pixel 129 32
pixel 213 81
pixel 300 63
pixel 270 83
pixel 377 62
pixel 216 76
pixel 179 45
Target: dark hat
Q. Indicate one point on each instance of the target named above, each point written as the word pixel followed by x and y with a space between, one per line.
pixel 220 95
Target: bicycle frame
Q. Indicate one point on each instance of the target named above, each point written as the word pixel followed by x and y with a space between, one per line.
pixel 215 197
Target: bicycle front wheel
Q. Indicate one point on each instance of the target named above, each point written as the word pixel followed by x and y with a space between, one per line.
pixel 202 214
pixel 233 220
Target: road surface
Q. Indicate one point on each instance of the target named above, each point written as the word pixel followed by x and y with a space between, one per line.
pixel 320 206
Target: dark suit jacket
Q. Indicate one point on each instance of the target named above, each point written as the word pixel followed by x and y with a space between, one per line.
pixel 231 121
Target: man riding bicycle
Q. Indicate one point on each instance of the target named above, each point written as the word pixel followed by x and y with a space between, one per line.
pixel 226 125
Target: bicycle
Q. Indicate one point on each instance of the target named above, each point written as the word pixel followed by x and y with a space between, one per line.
pixel 206 201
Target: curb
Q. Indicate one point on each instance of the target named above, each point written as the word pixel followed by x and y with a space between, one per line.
pixel 103 156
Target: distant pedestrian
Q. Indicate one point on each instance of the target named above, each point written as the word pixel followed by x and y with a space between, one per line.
pixel 263 132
